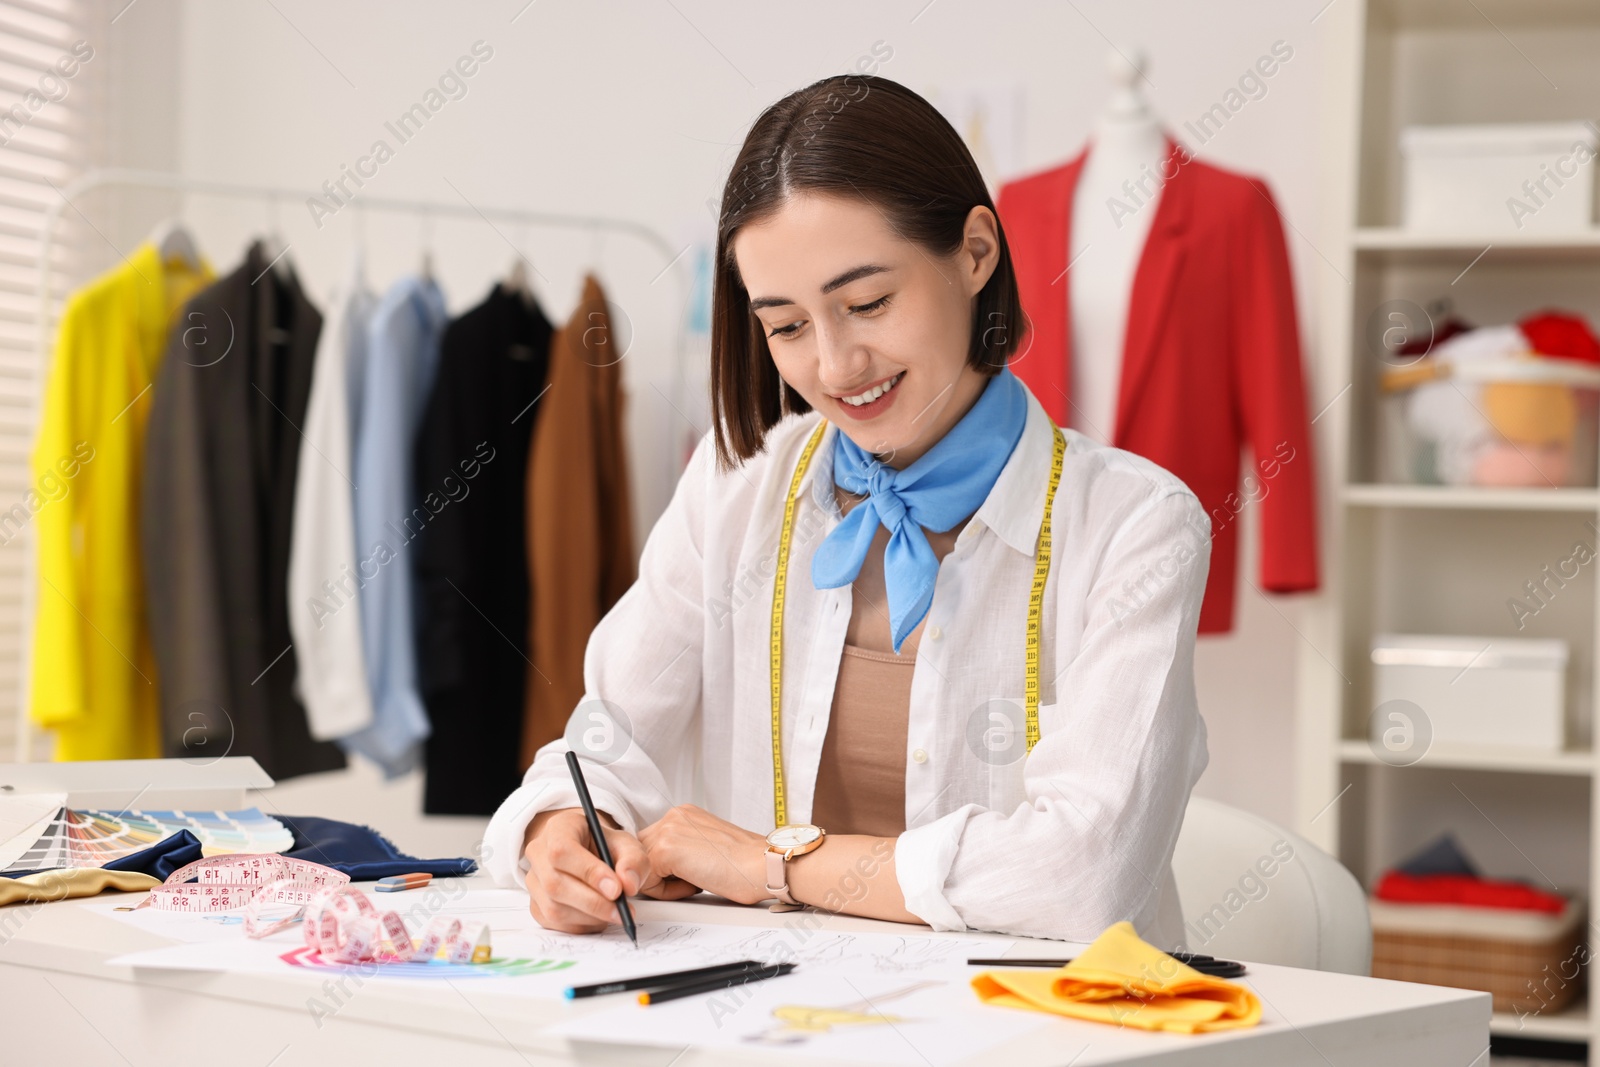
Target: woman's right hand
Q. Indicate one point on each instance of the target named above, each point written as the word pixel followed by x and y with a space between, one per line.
pixel 569 887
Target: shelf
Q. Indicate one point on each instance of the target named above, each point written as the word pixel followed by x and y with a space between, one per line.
pixel 1470 497
pixel 1485 759
pixel 1398 239
pixel 1569 1025
pixel 1482 16
pixel 1458 253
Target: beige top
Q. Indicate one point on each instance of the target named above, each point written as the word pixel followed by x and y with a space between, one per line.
pixel 861 781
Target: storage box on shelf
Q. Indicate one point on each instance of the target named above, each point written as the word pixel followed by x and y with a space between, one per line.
pixel 1504 178
pixel 1500 692
pixel 1532 963
pixel 1513 422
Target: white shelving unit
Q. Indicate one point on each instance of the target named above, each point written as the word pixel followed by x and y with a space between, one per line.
pixel 1437 559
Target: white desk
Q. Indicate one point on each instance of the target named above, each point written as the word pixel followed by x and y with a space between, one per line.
pixel 61 1003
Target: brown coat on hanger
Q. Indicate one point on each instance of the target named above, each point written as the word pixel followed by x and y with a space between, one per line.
pixel 580 519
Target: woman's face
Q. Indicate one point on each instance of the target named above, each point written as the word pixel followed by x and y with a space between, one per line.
pixel 869 327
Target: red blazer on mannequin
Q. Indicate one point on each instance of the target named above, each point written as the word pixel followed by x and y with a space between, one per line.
pixel 1211 358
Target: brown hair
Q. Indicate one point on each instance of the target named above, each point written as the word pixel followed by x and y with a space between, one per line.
pixel 871 139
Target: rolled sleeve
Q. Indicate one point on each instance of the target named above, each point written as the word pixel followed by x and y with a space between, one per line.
pixel 922 861
pixel 501 855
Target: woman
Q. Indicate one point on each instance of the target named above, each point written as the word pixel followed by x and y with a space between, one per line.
pixel 863 524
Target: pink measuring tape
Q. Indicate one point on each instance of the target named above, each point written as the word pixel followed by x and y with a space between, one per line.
pixel 339 921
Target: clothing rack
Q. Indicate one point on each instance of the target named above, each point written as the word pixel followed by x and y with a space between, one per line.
pixel 124 177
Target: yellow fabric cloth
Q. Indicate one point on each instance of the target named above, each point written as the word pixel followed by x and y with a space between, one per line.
pixel 71 882
pixel 93 680
pixel 1122 980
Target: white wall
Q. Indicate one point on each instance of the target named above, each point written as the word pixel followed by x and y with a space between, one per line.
pixel 636 109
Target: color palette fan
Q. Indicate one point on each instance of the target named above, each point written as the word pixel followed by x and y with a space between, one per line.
pixel 94 838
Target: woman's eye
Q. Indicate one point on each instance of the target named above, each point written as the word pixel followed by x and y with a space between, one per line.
pixel 867 309
pixel 784 331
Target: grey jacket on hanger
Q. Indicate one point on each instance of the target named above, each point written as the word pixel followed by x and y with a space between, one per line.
pixel 221 453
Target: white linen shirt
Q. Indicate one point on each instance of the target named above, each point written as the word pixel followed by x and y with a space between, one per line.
pixel 1059 843
pixel 324 608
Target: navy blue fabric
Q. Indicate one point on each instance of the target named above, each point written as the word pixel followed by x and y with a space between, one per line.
pixel 1442 856
pixel 161 858
pixel 362 853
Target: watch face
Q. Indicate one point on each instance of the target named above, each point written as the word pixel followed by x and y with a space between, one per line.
pixel 793 836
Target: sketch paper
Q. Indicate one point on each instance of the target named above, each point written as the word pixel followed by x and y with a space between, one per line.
pixel 834 1017
pixel 214 943
pixel 879 997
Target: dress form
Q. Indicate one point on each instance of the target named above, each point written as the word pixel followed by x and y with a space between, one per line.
pixel 1112 209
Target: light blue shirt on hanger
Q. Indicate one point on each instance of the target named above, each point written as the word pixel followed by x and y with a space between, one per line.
pixel 402 357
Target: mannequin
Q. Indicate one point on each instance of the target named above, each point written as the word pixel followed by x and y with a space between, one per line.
pixel 1112 209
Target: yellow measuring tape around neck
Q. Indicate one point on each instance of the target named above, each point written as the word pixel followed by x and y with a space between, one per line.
pixel 780 584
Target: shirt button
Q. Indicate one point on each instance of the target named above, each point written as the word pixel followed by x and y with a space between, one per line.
pixel 934 633
pixel 919 756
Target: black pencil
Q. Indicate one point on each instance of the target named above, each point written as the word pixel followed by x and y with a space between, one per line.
pixel 1204 964
pixel 711 985
pixel 600 846
pixel 652 981
pixel 1029 961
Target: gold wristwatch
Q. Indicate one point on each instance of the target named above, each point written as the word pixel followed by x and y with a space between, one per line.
pixel 783 844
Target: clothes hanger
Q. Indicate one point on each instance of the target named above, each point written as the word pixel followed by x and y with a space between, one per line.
pixel 273 246
pixel 425 239
pixel 597 250
pixel 173 241
pixel 516 279
pixel 360 254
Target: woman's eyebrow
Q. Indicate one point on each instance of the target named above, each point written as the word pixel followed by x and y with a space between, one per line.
pixel 853 274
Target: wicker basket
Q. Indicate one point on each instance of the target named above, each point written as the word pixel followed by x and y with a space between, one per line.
pixel 1531 962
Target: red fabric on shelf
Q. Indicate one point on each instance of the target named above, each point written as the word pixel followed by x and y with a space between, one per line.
pixel 1400 888
pixel 1555 333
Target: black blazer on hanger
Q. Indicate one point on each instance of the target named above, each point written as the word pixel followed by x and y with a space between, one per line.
pixel 221 453
pixel 472 568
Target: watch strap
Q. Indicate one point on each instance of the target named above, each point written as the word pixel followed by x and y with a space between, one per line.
pixel 778 877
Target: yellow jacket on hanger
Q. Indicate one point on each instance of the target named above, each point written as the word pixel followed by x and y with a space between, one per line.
pixel 93 679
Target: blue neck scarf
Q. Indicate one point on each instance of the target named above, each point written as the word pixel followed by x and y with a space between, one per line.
pixel 942 487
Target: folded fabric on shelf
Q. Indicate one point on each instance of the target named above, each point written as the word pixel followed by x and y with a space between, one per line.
pixel 1400 888
pixel 1442 873
pixel 1557 333
pixel 1444 855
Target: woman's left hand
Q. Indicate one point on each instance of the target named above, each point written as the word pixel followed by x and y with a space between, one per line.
pixel 694 845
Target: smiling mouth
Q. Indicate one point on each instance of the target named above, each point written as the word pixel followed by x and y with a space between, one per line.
pixel 869 395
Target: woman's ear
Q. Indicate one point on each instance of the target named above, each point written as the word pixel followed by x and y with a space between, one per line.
pixel 980 248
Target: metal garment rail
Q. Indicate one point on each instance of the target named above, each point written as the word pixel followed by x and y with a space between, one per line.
pixel 121 177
